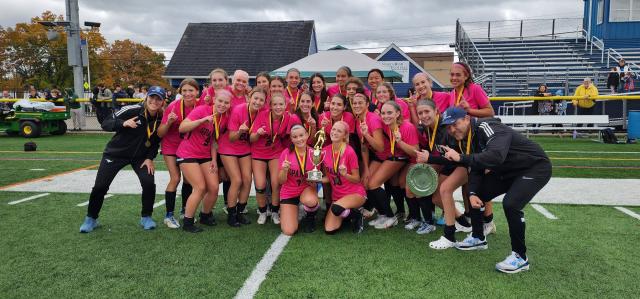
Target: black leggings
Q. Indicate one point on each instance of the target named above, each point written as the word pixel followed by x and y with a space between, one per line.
pixel 109 167
pixel 519 190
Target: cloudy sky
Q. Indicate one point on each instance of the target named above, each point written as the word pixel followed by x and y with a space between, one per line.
pixel 361 24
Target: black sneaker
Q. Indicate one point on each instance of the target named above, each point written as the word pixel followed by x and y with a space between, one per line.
pixel 358 221
pixel 191 228
pixel 309 224
pixel 207 219
pixel 232 219
pixel 242 219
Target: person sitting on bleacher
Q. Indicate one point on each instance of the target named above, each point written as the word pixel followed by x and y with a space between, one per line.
pixel 585 105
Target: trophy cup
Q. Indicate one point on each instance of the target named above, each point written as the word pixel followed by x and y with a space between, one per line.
pixel 315 175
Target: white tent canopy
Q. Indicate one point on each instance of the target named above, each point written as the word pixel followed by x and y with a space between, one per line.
pixel 328 62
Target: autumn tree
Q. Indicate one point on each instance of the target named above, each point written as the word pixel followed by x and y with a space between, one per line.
pixel 129 62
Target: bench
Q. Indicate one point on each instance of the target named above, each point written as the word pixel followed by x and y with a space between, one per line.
pixel 504 109
pixel 526 122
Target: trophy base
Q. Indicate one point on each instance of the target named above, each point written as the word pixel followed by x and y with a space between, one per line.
pixel 314 176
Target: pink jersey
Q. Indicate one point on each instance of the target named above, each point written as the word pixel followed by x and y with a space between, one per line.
pixel 270 145
pixel 404 108
pixel 335 89
pixel 197 143
pixel 209 91
pixel 296 179
pixel 340 186
pixel 237 100
pixel 409 135
pixel 373 121
pixel 290 94
pixel 441 99
pixel 239 115
pixel 172 139
pixel 346 117
pixel 474 95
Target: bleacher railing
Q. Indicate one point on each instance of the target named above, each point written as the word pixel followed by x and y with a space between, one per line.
pixel 612 54
pixel 468 51
pixel 519 29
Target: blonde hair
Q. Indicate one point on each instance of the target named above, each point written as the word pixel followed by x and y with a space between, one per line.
pixel 346 130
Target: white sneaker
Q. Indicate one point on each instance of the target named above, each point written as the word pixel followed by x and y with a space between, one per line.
pixel 425 228
pixel 442 243
pixel 368 214
pixel 387 223
pixel 513 264
pixel 471 243
pixel 380 218
pixel 413 224
pixel 224 209
pixel 489 228
pixel 275 217
pixel 462 228
pixel 171 222
pixel 262 218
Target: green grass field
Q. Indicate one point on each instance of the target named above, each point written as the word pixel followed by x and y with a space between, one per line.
pixel 590 251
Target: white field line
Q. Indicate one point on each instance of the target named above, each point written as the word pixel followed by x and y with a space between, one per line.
pixel 592 152
pixel 544 211
pixel 628 212
pixel 83 204
pixel 28 198
pixel 160 203
pixel 259 274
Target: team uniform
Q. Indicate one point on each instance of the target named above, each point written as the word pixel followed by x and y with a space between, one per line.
pixel 347 117
pixel 336 89
pixel 473 94
pixel 296 182
pixel 290 95
pixel 241 147
pixel 196 145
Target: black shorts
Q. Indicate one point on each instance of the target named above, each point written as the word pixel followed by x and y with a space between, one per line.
pixel 237 156
pixel 398 159
pixel 290 201
pixel 263 160
pixel 167 155
pixel 447 170
pixel 219 161
pixel 193 160
pixel 373 157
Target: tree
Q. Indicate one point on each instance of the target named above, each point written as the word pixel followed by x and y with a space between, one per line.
pixel 129 62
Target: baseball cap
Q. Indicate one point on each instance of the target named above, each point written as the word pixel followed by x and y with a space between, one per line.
pixel 156 90
pixel 452 114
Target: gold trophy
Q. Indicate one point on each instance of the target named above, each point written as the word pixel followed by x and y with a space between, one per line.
pixel 317 157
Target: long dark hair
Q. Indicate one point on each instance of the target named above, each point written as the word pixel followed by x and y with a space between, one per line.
pixel 313 111
pixel 467 69
pixel 323 93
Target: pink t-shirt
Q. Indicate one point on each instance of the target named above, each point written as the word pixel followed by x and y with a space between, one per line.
pixel 197 143
pixel 346 117
pixel 474 95
pixel 237 100
pixel 373 121
pixel 209 91
pixel 270 145
pixel 289 94
pixel 340 186
pixel 172 139
pixel 409 135
pixel 239 115
pixel 296 179
pixel 335 89
pixel 441 99
pixel 404 108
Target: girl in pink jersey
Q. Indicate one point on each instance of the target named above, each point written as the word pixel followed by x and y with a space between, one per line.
pixel 400 145
pixel 320 94
pixel 352 85
pixel 197 157
pixel 370 137
pixel 306 116
pixel 175 113
pixel 292 93
pixel 271 127
pixel 240 85
pixel 235 152
pixel 219 80
pixel 342 75
pixel 347 191
pixel 466 94
pixel 385 93
pixel 375 77
pixel 295 162
pixel 422 84
pixel 262 80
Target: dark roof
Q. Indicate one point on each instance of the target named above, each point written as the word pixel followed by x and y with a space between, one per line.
pixel 250 46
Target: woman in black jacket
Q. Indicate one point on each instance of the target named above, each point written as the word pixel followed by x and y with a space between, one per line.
pixel 613 80
pixel 135 143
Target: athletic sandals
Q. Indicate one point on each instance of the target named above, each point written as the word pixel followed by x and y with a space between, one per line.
pixel 426 228
pixel 88 225
pixel 442 243
pixel 489 228
pixel 147 223
pixel 171 222
pixel 471 243
pixel 513 264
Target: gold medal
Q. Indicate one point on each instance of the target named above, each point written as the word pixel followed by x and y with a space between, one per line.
pixel 148 143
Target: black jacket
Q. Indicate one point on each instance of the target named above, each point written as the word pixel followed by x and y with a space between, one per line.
pixel 500 149
pixel 128 142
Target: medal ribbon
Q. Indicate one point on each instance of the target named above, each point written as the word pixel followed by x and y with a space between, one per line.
pixel 155 124
pixel 301 162
pixel 468 143
pixel 296 98
pixel 275 134
pixel 336 157
pixel 432 135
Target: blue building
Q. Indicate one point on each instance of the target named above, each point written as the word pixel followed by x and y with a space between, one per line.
pixel 615 22
pixel 400 62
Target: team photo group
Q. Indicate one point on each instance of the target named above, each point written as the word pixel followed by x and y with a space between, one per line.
pixel 356 144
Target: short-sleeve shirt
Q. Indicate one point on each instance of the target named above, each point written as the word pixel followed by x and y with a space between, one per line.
pixel 340 186
pixel 172 139
pixel 296 179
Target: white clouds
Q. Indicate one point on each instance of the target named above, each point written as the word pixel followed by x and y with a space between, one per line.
pixel 354 23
